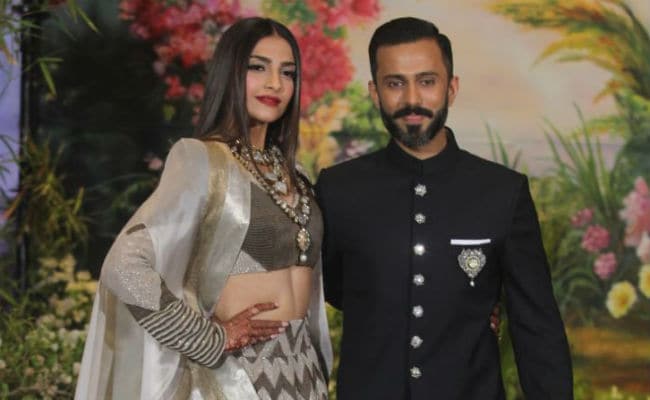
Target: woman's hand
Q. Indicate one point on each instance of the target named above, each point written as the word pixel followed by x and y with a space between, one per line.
pixel 242 330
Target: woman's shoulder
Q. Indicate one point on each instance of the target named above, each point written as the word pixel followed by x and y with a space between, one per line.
pixel 192 148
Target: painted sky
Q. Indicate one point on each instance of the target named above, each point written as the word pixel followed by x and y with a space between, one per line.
pixel 9 117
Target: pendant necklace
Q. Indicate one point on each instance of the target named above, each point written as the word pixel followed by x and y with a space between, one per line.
pixel 274 182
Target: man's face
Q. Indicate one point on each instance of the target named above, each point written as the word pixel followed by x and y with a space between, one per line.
pixel 413 91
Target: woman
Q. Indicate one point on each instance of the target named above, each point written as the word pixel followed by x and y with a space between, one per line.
pixel 212 290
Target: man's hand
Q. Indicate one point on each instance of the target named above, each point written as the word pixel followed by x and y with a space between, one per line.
pixel 495 321
pixel 242 330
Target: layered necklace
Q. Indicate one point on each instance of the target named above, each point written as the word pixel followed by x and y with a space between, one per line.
pixel 274 182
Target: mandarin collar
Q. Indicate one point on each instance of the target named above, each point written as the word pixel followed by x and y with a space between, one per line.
pixel 440 162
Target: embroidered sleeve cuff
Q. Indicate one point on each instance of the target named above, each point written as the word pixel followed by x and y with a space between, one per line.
pixel 180 328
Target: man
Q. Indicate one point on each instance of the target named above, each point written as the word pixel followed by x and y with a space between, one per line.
pixel 421 238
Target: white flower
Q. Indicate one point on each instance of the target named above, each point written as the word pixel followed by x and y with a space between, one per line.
pixel 67 379
pixel 3 364
pixel 643 251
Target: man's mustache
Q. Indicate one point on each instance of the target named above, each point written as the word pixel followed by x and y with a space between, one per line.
pixel 417 110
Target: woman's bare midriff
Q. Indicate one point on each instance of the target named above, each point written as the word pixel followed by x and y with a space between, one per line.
pixel 290 288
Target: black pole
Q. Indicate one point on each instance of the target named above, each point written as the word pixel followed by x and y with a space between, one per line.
pixel 31 19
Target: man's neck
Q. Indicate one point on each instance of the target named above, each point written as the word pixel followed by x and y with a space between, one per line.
pixel 432 148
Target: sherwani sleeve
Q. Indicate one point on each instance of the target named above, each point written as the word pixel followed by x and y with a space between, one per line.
pixel 539 341
pixel 332 266
pixel 131 271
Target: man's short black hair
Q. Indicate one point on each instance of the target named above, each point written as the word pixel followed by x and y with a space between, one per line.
pixel 408 30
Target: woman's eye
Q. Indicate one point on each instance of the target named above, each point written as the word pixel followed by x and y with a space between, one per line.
pixel 290 74
pixel 255 67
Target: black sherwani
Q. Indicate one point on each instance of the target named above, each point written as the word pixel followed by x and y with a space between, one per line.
pixel 416 325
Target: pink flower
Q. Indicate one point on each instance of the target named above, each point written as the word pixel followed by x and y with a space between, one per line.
pixel 595 238
pixel 174 87
pixel 325 64
pixel 159 67
pixel 192 47
pixel 582 217
pixel 605 265
pixel 636 212
pixel 154 163
pixel 195 92
pixel 643 251
pixel 346 12
pixel 364 8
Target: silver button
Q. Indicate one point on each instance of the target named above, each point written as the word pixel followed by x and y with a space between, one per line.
pixel 415 372
pixel 420 190
pixel 418 279
pixel 417 311
pixel 416 341
pixel 418 249
pixel 420 218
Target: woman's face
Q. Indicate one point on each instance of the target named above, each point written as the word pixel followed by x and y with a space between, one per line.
pixel 269 80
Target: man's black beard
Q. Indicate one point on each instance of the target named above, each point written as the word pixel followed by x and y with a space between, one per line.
pixel 412 137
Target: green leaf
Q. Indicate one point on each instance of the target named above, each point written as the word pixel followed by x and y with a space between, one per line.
pixel 45 71
pixel 87 20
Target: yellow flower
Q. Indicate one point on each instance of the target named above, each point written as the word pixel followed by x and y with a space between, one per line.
pixel 89 286
pixel 318 149
pixel 67 263
pixel 621 298
pixel 48 262
pixel 83 276
pixel 644 280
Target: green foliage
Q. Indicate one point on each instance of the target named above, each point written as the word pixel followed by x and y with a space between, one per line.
pixel 51 216
pixel 363 122
pixel 603 32
pixel 585 173
pixel 288 12
pixel 335 321
pixel 15 27
pixel 499 152
pixel 43 331
pixel 581 180
pixel 607 34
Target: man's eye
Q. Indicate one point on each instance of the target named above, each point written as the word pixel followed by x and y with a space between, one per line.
pixel 394 84
pixel 427 82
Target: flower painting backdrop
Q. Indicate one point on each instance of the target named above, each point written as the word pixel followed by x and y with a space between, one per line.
pixel 558 90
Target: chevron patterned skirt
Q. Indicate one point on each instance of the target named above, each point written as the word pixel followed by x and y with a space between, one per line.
pixel 285 368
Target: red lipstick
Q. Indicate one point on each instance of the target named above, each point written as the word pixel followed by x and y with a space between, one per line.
pixel 268 100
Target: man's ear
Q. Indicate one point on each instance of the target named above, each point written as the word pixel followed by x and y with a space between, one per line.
pixel 452 89
pixel 374 96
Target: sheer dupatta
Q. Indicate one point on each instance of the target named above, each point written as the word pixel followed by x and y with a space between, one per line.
pixel 196 221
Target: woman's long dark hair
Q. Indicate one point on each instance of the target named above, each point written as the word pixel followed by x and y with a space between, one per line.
pixel 224 115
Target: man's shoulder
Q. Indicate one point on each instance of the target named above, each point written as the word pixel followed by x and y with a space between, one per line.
pixel 482 168
pixel 359 165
